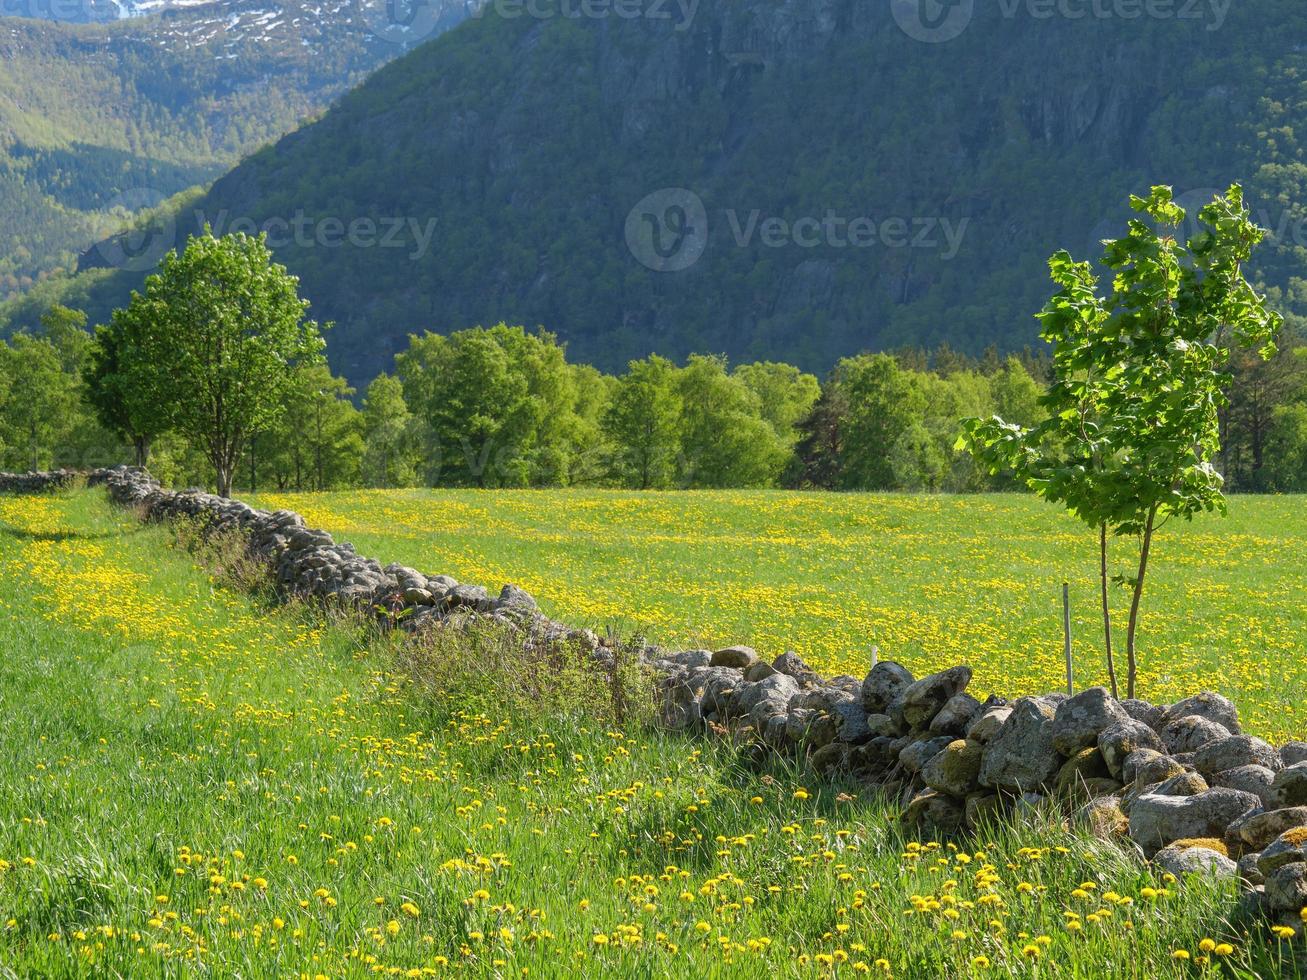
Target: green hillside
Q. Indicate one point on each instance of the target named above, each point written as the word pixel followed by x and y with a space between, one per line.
pixel 530 141
pixel 100 121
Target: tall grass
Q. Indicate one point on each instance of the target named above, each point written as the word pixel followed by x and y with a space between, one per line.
pixel 192 783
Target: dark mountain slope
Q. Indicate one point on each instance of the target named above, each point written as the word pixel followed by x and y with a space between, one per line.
pixel 531 141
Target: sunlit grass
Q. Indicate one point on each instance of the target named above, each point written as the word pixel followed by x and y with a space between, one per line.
pixel 931 580
pixel 191 785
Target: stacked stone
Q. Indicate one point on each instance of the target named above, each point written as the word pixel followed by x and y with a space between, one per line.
pixel 309 564
pixel 43 482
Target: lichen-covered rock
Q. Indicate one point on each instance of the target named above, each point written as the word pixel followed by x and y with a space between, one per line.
pixel 791 664
pixel 1123 738
pixel 935 810
pixel 853 727
pixel 829 758
pixel 759 671
pixel 883 725
pixel 988 723
pixel 776 687
pixel 1085 765
pixel 1251 779
pixel 1191 732
pixel 982 807
pixel 1148 766
pixel 690 658
pixel 1021 757
pixel 919 751
pixel 956 769
pixel 921 700
pixel 1081 719
pixel 736 658
pixel 956 715
pixel 1147 712
pixel 1157 820
pixel 1286 887
pixel 1235 751
pixel 883 685
pixel 1289 848
pixel 1187 783
pixel 1256 830
pixel 1290 786
pixel 1210 705
pixel 1186 860
pixel 1103 817
pixel 1292 753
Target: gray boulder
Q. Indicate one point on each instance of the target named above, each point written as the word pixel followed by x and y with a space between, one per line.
pixel 1123 738
pixel 1292 753
pixel 883 685
pixel 1235 751
pixel 1251 779
pixel 792 664
pixel 956 715
pixel 1185 784
pixel 1148 766
pixel 691 658
pixel 512 597
pixel 1181 861
pixel 777 687
pixel 853 727
pixel 1021 757
pixel 1157 820
pixel 758 671
pixel 1191 732
pixel 1290 786
pixel 915 756
pixel 1210 705
pixel 956 770
pixel 1147 712
pixel 734 657
pixel 1286 888
pixel 985 726
pixel 1289 848
pixel 1257 829
pixel 1081 719
pixel 922 700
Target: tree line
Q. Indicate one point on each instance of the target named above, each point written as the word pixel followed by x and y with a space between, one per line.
pixel 213 374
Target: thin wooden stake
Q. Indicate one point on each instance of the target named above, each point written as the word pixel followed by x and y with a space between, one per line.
pixel 1066 630
pixel 875 656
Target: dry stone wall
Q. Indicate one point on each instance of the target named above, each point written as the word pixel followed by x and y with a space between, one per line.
pixel 1182 781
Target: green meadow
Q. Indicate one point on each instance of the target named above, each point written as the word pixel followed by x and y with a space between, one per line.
pixel 931 580
pixel 195 783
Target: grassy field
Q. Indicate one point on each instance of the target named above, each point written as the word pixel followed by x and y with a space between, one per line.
pixel 931 580
pixel 192 785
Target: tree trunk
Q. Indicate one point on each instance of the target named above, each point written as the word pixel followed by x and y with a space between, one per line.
pixel 1107 616
pixel 223 472
pixel 1131 662
pixel 142 446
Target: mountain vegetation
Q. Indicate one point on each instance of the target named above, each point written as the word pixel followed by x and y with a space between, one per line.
pixel 99 122
pixel 859 189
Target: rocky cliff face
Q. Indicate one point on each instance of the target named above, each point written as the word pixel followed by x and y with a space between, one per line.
pixel 764 178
